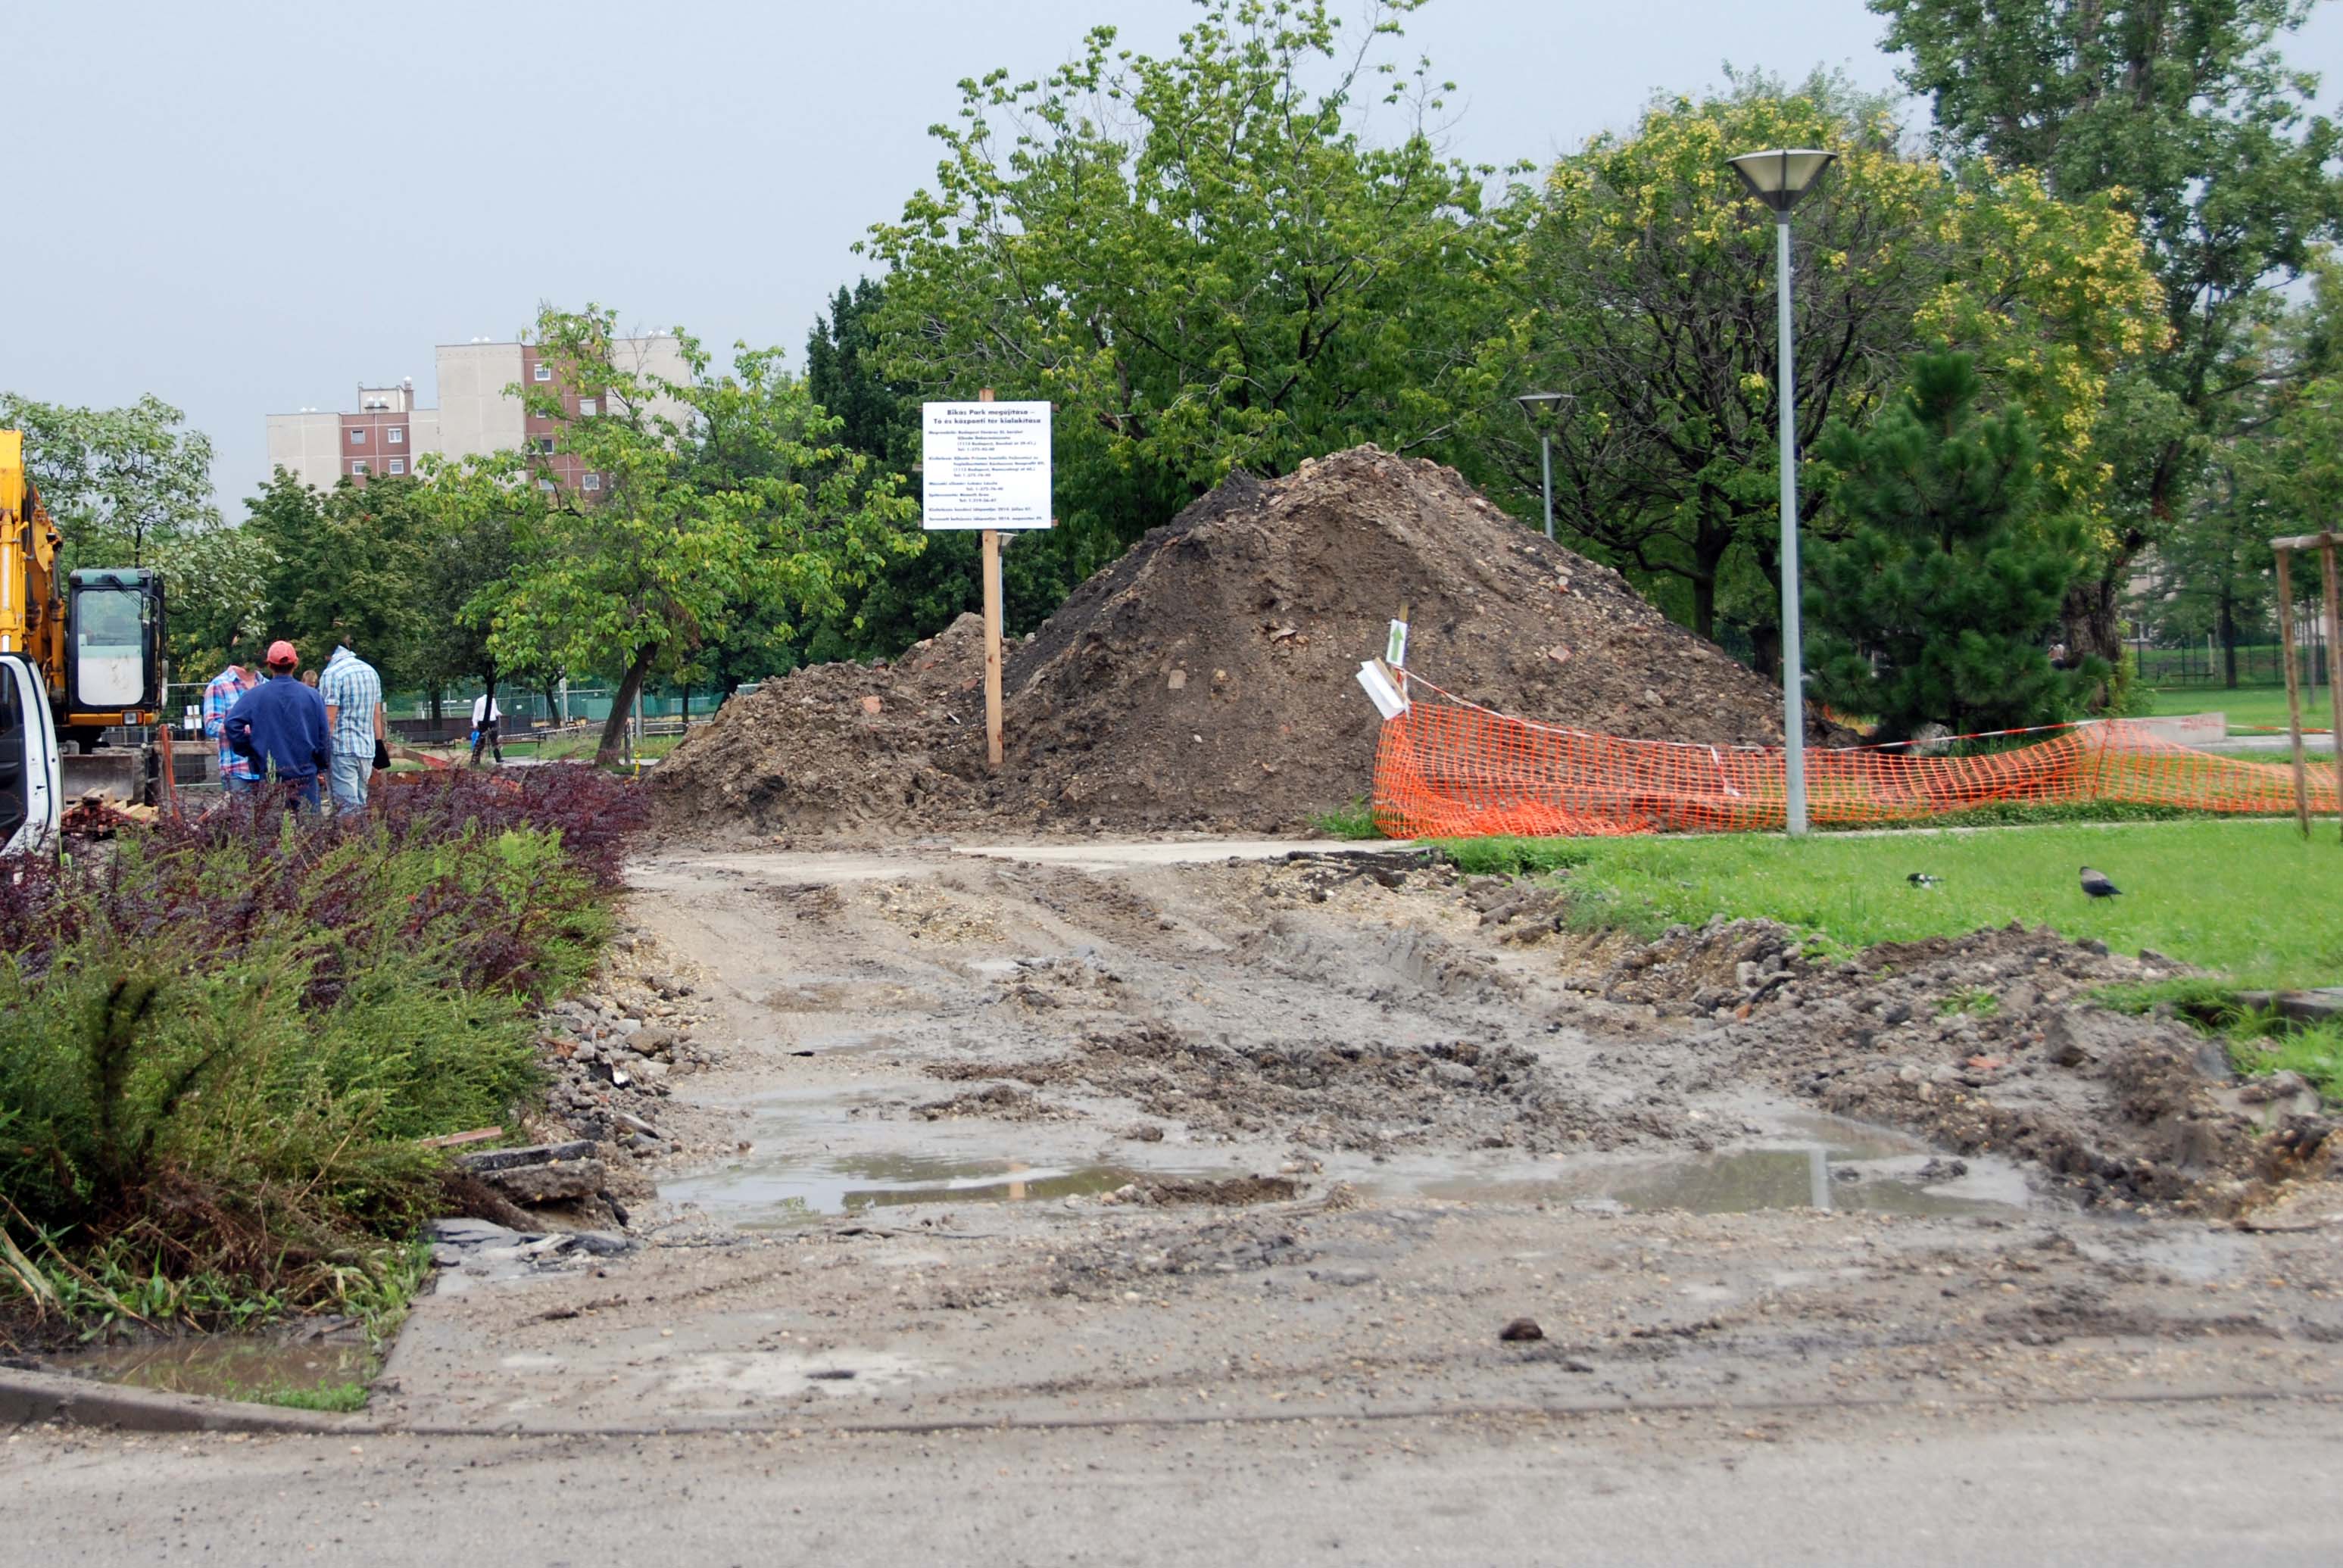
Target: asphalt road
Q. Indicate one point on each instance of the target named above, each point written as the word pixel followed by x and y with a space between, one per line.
pixel 2133 1483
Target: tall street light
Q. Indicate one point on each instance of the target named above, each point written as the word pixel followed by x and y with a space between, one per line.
pixel 1533 403
pixel 1778 178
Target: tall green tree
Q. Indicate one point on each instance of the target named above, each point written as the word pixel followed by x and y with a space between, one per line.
pixel 132 487
pixel 217 582
pixel 352 560
pixel 1937 603
pixel 469 548
pixel 876 416
pixel 2185 113
pixel 2212 577
pixel 1649 297
pixel 719 495
pixel 920 594
pixel 115 480
pixel 1207 260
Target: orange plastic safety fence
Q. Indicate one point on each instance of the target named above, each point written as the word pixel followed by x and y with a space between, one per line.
pixel 1446 768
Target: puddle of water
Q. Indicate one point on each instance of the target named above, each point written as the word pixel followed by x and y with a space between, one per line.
pixel 224 1367
pixel 787 1189
pixel 1812 1176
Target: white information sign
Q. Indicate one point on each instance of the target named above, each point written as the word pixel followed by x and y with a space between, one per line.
pixel 985 465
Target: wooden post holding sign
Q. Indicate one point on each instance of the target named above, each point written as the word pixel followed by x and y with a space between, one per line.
pixel 991 635
pixel 986 465
pixel 2283 550
pixel 2293 685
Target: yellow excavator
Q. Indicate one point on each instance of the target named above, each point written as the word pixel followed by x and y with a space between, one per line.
pixel 81 664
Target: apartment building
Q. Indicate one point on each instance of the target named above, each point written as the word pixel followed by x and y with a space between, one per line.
pixel 477 414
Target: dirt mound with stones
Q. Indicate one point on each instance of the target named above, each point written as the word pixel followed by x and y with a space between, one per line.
pixel 1205 680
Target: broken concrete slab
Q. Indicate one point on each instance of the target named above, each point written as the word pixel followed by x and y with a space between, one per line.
pixel 2319 1006
pixel 535 1154
pixel 554 1181
pixel 603 1243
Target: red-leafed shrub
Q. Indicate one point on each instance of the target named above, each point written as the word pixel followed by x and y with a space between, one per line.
pixel 228 1032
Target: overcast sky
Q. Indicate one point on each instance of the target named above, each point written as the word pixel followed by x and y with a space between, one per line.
pixel 248 208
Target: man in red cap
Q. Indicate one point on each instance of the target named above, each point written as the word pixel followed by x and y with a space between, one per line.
pixel 280 724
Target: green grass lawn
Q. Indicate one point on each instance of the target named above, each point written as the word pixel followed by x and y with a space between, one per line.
pixel 579 748
pixel 2248 899
pixel 2246 708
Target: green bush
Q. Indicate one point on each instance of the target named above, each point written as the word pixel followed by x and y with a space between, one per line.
pixel 226 1042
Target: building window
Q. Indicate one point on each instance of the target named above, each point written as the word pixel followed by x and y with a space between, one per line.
pixel 586 408
pixel 545 444
pixel 359 467
pixel 592 482
pixel 544 484
pixel 357 438
pixel 398 435
pixel 545 373
pixel 398 465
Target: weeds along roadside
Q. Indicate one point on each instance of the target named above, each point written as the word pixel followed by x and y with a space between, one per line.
pixel 227 1038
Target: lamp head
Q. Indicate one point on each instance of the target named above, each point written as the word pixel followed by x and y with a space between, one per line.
pixel 1780 176
pixel 1536 403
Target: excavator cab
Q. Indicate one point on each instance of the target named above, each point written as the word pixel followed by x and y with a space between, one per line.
pixel 114 659
pixel 112 679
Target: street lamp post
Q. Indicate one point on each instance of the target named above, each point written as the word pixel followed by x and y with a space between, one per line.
pixel 1532 402
pixel 1778 178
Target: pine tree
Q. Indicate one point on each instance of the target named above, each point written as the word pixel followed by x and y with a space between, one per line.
pixel 1937 603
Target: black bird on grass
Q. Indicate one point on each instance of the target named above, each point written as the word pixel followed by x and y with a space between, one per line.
pixel 2097 885
pixel 1922 879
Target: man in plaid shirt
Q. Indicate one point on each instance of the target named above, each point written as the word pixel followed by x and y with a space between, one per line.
pixel 237 776
pixel 353 694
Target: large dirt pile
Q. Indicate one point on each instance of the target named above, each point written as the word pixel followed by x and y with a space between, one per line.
pixel 1205 679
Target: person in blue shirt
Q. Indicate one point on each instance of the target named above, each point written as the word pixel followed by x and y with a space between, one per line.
pixel 280 724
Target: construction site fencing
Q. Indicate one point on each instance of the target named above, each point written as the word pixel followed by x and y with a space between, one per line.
pixel 1446 767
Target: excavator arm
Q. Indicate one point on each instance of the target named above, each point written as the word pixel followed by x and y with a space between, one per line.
pixel 31 622
pixel 92 642
pixel 31 792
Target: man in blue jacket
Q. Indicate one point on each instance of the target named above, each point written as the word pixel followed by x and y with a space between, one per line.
pixel 280 724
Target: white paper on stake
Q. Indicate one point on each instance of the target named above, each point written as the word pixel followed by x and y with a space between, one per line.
pixel 1389 700
pixel 985 465
pixel 1395 647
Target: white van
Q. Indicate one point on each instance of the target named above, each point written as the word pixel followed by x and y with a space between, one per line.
pixel 31 796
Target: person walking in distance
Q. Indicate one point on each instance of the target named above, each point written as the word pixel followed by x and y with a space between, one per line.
pixel 280 725
pixel 486 717
pixel 238 775
pixel 353 694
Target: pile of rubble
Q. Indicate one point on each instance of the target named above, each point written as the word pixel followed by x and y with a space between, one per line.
pixel 610 1053
pixel 613 1051
pixel 1206 680
pixel 1990 1042
pixel 470 1252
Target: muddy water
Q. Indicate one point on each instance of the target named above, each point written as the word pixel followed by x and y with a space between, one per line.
pixel 765 1192
pixel 826 1153
pixel 224 1367
pixel 1846 1166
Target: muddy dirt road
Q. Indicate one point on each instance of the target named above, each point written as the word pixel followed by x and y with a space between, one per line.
pixel 1035 1199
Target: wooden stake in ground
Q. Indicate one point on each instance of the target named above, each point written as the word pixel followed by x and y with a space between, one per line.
pixel 2334 662
pixel 986 467
pixel 2285 556
pixel 991 635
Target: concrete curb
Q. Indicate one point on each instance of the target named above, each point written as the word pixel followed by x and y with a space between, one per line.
pixel 28 1398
